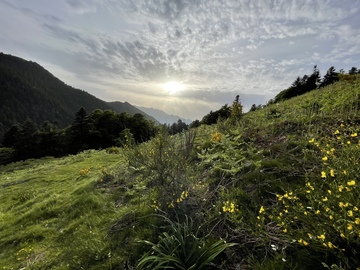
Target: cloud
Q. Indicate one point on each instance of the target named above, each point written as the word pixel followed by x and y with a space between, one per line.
pixel 82 7
pixel 218 49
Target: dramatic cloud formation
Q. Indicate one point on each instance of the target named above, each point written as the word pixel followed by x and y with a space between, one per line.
pixel 126 50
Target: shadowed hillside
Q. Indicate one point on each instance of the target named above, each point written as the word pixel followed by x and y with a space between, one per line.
pixel 27 90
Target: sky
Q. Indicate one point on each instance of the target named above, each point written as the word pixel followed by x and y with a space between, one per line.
pixel 185 57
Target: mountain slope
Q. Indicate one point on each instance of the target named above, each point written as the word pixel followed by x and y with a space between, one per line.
pixel 127 107
pixel 163 117
pixel 27 90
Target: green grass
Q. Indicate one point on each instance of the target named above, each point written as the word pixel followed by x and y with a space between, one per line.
pixel 94 210
pixel 54 216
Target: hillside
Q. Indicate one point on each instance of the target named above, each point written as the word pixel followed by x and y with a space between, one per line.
pixel 163 117
pixel 127 107
pixel 27 90
pixel 280 186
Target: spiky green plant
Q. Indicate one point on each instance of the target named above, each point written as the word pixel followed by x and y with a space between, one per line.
pixel 181 249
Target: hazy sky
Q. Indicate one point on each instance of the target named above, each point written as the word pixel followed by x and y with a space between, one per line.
pixel 126 50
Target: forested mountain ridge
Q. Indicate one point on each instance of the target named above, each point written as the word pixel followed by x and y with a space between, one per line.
pixel 27 90
pixel 130 109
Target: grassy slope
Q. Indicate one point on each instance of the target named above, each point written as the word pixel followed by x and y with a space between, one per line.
pixel 50 214
pixel 57 214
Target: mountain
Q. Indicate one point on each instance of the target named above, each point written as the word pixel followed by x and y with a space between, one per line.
pixel 27 90
pixel 127 107
pixel 163 117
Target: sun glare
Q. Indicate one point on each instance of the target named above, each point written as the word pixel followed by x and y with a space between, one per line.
pixel 173 87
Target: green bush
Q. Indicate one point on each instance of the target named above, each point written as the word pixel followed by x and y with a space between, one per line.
pixel 7 155
pixel 181 249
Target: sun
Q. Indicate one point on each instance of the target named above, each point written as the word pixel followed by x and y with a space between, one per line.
pixel 173 87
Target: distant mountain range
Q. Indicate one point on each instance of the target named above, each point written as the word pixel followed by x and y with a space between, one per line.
pixel 163 117
pixel 27 90
pixel 130 109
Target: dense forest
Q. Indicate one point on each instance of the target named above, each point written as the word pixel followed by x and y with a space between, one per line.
pixel 98 130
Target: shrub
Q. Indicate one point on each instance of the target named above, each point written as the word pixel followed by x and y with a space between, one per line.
pixel 180 249
pixel 7 155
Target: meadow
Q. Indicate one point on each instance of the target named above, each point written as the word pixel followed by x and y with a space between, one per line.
pixel 277 188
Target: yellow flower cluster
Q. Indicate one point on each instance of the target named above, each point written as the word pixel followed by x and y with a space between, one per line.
pixel 228 207
pixel 23 253
pixel 216 137
pixel 328 204
pixel 84 172
pixel 155 205
pixel 183 196
pixel 303 242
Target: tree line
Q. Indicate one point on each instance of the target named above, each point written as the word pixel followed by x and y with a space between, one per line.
pixel 308 83
pixel 98 130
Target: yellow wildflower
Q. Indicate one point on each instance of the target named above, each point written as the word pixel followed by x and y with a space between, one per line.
pixel 262 210
pixel 353 135
pixel 357 221
pixel 344 172
pixel 321 237
pixel 216 137
pixel 332 173
pixel 355 208
pixel 331 245
pixel 312 140
pixel 325 158
pixel 325 199
pixel 351 183
pixel 305 213
pixel 340 188
pixel 331 217
pixel 285 230
pixel 341 204
pixel 327 209
pixel 350 213
pixel 301 241
pixel 317 212
pixel 342 125
pixel 329 191
pixel 323 174
pixel 342 235
pixel 229 207
pixel 349 227
pixel 348 142
pixel 337 132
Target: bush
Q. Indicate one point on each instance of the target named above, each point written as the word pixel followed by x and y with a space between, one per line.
pixel 180 249
pixel 7 155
